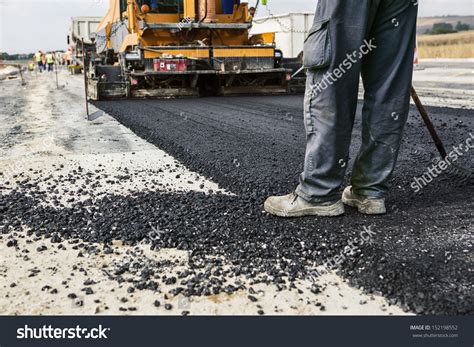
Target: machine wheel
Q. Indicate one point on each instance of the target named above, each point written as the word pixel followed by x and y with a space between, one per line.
pixel 128 89
pixel 209 86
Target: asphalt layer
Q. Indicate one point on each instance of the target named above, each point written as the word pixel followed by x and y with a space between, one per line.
pixel 419 255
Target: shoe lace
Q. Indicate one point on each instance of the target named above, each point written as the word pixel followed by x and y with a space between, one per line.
pixel 295 196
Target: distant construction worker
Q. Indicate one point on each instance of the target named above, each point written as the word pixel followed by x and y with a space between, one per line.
pixel 349 38
pixel 39 60
pixel 154 5
pixel 43 60
pixel 67 57
pixel 50 61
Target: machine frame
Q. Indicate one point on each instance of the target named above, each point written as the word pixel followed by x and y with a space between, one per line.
pixel 190 53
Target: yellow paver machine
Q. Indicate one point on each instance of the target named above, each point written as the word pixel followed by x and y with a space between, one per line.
pixel 160 48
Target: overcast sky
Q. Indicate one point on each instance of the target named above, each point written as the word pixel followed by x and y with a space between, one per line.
pixel 29 25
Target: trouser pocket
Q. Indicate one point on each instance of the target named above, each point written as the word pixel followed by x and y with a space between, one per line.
pixel 317 51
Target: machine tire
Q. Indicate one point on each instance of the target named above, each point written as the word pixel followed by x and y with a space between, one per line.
pixel 209 86
pixel 128 89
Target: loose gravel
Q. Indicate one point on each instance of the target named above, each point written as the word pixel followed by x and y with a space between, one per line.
pixel 418 256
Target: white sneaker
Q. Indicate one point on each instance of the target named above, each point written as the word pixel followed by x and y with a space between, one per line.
pixel 292 205
pixel 364 204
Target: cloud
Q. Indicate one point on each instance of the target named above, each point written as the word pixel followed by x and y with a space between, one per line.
pixel 45 23
pixel 430 8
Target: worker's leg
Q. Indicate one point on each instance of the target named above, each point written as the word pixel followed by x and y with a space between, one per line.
pixel 387 75
pixel 154 5
pixel 334 48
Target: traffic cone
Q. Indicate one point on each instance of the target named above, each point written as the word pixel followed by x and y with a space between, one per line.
pixel 416 61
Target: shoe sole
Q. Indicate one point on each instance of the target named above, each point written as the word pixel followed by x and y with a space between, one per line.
pixel 334 210
pixel 363 207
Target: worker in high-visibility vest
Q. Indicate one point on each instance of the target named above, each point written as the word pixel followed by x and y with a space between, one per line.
pixel 50 61
pixel 43 59
pixel 154 5
pixel 67 57
pixel 39 60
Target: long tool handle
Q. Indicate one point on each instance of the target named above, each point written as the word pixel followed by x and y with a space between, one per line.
pixel 85 77
pixel 428 123
pixel 56 72
pixel 21 75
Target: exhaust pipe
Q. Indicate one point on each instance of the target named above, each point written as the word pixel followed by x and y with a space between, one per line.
pixel 207 11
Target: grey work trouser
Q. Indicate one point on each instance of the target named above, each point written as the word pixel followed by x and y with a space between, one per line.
pixel 349 38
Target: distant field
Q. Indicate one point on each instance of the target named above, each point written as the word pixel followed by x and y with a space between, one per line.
pixel 457 45
pixel 425 23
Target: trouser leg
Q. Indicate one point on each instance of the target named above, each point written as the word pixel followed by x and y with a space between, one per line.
pixel 387 76
pixel 154 5
pixel 331 94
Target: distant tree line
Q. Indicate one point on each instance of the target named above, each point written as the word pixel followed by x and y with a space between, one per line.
pixel 447 28
pixel 6 56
